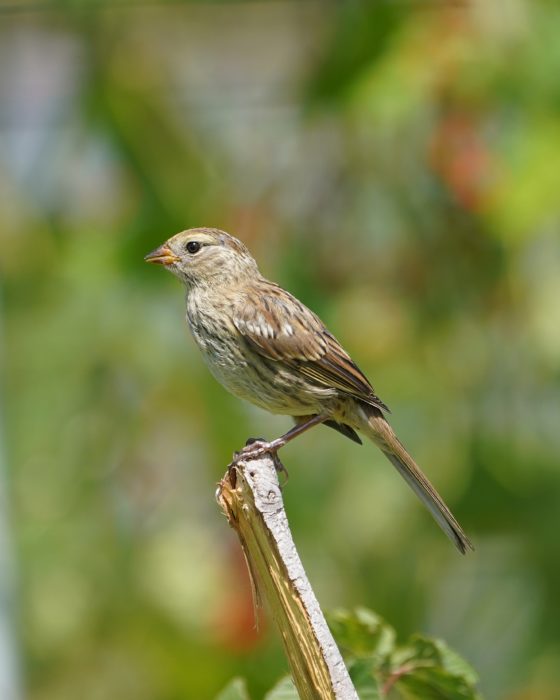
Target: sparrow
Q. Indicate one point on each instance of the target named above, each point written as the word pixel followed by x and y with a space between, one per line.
pixel 264 345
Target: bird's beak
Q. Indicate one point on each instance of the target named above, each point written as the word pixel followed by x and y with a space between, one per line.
pixel 162 256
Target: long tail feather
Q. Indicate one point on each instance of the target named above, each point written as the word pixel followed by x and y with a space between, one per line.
pixel 381 433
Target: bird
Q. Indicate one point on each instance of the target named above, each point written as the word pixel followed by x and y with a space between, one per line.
pixel 265 346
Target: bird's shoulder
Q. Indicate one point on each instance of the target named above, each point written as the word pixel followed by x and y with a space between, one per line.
pixel 278 323
pixel 280 327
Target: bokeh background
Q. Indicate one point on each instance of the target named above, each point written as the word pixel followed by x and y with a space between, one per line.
pixel 394 164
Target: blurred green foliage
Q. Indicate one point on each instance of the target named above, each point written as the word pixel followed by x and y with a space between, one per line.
pixel 422 669
pixel 393 164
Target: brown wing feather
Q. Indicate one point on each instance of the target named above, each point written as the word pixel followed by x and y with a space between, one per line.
pixel 281 328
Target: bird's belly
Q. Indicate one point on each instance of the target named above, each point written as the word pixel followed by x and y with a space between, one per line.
pixel 264 382
pixel 272 385
pixel 269 386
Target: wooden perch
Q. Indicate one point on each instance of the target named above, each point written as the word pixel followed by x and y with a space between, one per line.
pixel 250 496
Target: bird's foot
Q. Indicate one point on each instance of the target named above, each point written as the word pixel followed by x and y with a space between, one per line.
pixel 254 448
pixel 257 447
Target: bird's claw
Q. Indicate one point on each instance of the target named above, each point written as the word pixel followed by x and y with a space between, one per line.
pixel 254 448
pixel 251 441
pixel 257 447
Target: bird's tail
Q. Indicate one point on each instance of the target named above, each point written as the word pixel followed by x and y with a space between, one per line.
pixel 381 433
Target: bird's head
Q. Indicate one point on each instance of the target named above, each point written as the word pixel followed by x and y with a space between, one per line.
pixel 205 256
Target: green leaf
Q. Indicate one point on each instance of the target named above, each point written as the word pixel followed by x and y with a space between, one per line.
pixel 362 673
pixel 234 690
pixel 429 670
pixel 363 633
pixel 436 684
pixel 454 663
pixel 434 652
pixel 283 690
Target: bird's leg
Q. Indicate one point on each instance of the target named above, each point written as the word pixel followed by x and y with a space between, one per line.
pixel 301 426
pixel 260 447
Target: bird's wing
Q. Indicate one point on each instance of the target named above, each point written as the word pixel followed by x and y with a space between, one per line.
pixel 281 328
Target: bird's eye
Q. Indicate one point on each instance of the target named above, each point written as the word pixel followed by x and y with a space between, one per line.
pixel 193 247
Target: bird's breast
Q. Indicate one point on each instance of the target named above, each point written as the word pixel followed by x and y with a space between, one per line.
pixel 246 373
